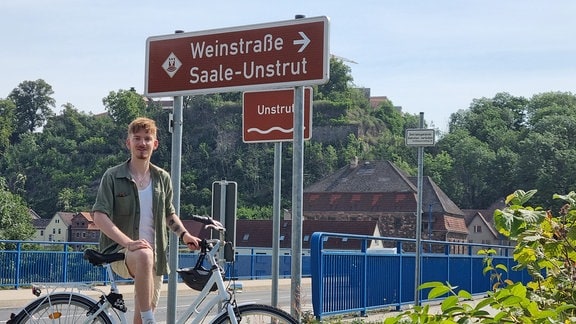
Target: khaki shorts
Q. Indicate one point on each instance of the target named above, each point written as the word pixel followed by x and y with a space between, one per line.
pixel 121 269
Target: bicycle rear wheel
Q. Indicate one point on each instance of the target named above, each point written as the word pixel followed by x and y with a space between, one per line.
pixel 257 313
pixel 61 308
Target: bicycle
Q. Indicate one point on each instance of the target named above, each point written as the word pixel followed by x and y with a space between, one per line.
pixel 77 307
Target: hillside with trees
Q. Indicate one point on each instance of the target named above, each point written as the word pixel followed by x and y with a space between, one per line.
pixel 52 161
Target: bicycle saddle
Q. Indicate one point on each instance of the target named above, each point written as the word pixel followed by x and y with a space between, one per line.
pixel 96 258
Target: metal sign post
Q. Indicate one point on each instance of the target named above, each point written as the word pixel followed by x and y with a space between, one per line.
pixel 224 203
pixel 175 170
pixel 419 137
pixel 292 53
pixel 259 126
pixel 276 218
pixel 297 197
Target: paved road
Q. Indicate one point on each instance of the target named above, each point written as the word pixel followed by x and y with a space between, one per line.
pixel 254 291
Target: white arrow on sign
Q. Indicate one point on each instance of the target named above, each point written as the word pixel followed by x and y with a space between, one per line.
pixel 304 42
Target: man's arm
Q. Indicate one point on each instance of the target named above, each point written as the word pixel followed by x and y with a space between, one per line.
pixel 176 226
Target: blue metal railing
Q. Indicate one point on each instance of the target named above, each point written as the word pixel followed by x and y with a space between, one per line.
pixel 367 279
pixel 343 281
pixel 23 263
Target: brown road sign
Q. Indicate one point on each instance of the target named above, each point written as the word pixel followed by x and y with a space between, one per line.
pixel 281 54
pixel 268 116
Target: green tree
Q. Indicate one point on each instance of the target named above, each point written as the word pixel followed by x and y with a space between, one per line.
pixel 392 117
pixel 7 123
pixel 33 105
pixel 340 84
pixel 15 221
pixel 125 105
pixel 469 180
pixel 438 167
pixel 496 121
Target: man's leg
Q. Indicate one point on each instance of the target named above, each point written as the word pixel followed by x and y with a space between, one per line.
pixel 141 265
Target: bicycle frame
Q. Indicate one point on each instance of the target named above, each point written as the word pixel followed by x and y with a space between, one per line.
pixel 222 296
pixel 198 310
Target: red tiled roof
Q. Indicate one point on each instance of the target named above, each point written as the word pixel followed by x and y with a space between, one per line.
pixel 87 215
pixel 455 224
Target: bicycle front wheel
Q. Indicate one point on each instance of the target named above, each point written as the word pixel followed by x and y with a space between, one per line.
pixel 257 313
pixel 61 308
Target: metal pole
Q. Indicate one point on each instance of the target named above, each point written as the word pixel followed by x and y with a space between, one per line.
pixel 419 218
pixel 430 221
pixel 276 223
pixel 223 192
pixel 430 226
pixel 297 197
pixel 175 173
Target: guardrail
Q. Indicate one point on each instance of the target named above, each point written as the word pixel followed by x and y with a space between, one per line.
pixel 376 278
pixel 24 262
pixel 343 281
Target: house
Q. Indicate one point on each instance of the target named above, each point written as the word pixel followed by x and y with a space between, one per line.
pixel 58 228
pixel 378 190
pixel 40 225
pixel 83 229
pixel 480 223
pixel 255 236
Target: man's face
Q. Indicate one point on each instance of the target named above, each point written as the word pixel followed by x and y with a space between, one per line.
pixel 141 144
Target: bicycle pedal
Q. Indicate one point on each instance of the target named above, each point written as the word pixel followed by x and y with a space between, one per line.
pixel 117 302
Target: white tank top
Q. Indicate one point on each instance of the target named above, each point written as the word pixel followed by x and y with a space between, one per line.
pixel 146 218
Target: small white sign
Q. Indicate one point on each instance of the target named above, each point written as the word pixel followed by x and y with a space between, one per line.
pixel 420 137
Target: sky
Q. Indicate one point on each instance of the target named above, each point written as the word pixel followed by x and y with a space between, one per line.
pixel 433 57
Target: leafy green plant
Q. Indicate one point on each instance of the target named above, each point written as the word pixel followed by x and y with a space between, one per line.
pixel 546 248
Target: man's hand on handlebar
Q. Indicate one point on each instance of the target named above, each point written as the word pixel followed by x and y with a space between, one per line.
pixel 191 241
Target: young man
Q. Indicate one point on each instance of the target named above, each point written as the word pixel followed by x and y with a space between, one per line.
pixel 133 210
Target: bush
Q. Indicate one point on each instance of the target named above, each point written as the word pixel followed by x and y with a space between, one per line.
pixel 546 248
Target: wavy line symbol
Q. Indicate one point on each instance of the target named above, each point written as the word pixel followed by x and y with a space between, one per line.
pixel 269 130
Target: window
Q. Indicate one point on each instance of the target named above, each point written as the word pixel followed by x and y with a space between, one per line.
pixel 477 229
pixel 41 232
pixel 246 237
pixel 59 231
pixel 77 235
pixel 53 231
